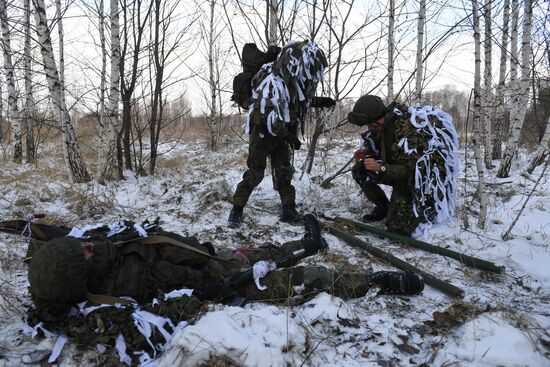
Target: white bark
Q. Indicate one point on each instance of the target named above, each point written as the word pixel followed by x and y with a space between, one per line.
pixel 108 165
pixel 76 167
pixel 29 101
pixel 520 94
pixel 61 44
pixel 212 78
pixel 498 108
pixel 391 47
pixel 477 120
pixel 13 110
pixel 487 87
pixel 419 50
pixel 273 22
pixel 102 87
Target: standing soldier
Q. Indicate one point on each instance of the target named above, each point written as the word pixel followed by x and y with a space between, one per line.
pixel 282 93
pixel 413 150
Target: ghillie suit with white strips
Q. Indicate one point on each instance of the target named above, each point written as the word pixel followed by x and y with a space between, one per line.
pixel 430 137
pixel 283 90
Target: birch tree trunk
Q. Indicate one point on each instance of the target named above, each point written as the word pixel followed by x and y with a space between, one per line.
pixel 477 120
pixel 487 87
pixel 520 94
pixel 108 166
pixel 102 87
pixel 212 79
pixel 76 167
pixel 1 116
pixel 272 15
pixel 13 110
pixel 391 46
pixel 543 150
pixel 61 45
pixel 29 102
pixel 419 49
pixel 498 108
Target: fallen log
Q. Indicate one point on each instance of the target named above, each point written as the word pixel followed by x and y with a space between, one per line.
pixel 430 279
pixel 468 260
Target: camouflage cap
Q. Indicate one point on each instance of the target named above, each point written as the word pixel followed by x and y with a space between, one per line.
pixel 368 109
pixel 58 272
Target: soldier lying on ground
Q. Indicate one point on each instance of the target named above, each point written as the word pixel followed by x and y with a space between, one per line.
pixel 66 271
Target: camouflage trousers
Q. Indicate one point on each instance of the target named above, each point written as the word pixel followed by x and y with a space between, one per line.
pixel 263 145
pixel 401 218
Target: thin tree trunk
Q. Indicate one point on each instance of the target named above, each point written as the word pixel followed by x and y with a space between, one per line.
pixel 543 150
pixel 520 94
pixel 109 164
pixel 212 80
pixel 498 108
pixel 102 87
pixel 488 87
pixel 13 110
pixel 273 21
pixel 477 117
pixel 419 50
pixel 29 108
pixel 1 116
pixel 73 158
pixel 391 46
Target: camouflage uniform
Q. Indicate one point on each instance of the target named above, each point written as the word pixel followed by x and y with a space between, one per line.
pixel 400 169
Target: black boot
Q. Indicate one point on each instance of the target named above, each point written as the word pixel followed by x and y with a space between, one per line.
pixel 378 213
pixel 290 215
pixel 398 282
pixel 235 216
pixel 312 241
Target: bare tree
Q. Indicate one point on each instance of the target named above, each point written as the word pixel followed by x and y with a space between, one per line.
pixel 73 158
pixel 520 94
pixel 498 108
pixel 102 87
pixel 30 114
pixel 391 47
pixel 108 164
pixel 419 50
pixel 272 21
pixel 477 119
pixel 13 109
pixel 487 86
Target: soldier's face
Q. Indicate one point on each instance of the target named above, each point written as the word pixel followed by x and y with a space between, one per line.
pixel 378 124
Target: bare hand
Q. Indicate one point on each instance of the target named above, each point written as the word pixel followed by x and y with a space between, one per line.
pixel 359 154
pixel 372 165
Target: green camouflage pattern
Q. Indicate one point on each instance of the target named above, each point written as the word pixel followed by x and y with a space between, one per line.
pixel 261 146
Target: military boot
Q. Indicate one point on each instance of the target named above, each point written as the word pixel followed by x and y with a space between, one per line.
pixel 290 215
pixel 397 282
pixel 235 216
pixel 378 213
pixel 312 241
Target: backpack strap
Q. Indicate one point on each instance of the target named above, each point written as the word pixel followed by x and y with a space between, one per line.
pixel 163 240
pixel 102 299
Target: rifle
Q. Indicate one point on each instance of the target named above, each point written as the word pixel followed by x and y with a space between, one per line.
pixel 230 284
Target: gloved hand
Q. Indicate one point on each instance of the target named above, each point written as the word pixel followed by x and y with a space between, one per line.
pixel 323 102
pixel 293 141
pixel 398 282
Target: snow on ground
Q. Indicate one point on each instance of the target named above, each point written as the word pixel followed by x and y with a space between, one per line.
pixel 503 320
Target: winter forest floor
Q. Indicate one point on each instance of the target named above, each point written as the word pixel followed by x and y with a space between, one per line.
pixel 503 320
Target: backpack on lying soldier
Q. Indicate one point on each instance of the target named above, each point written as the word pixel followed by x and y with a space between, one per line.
pixel 252 61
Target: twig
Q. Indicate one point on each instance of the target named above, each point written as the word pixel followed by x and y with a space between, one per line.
pixel 341 171
pixel 506 235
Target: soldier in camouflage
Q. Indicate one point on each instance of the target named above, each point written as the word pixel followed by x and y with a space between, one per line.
pixel 65 271
pixel 398 153
pixel 283 92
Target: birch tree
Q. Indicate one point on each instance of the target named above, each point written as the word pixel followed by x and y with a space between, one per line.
pixel 498 108
pixel 520 94
pixel 71 151
pixel 108 164
pixel 477 119
pixel 30 114
pixel 419 50
pixel 487 86
pixel 13 110
pixel 272 22
pixel 391 47
pixel 102 89
pixel 214 119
